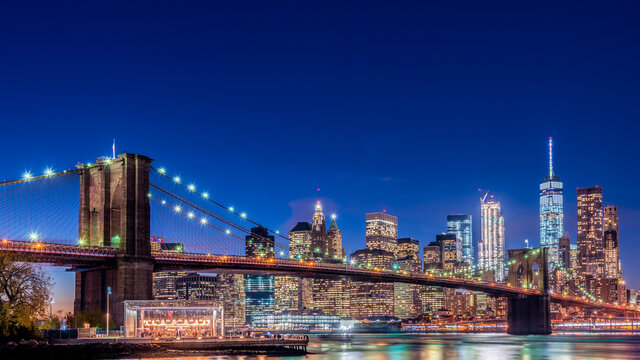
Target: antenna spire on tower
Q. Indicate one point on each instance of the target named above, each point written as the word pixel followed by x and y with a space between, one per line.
pixel 550 157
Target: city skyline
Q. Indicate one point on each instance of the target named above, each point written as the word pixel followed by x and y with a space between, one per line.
pixel 383 108
pixel 315 205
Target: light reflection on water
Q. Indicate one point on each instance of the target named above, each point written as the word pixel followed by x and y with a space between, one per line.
pixel 475 346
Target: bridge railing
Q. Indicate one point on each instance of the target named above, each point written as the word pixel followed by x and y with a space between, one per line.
pixel 18 246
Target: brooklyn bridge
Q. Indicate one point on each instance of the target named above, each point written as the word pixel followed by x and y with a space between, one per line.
pixel 121 200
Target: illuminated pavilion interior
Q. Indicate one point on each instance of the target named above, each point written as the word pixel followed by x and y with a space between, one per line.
pixel 173 318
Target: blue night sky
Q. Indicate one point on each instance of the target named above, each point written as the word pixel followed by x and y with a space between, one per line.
pixel 404 106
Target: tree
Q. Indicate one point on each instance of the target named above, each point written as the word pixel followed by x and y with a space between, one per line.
pixel 24 294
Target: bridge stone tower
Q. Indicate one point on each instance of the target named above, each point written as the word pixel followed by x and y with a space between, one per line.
pixel 114 212
pixel 529 314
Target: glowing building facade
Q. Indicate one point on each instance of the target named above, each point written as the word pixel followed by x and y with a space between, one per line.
pixel 491 247
pixel 300 241
pixel 259 289
pixel 611 249
pixel 551 211
pixel 407 302
pixel 371 299
pixel 590 244
pixel 382 231
pixel 319 243
pixel 461 227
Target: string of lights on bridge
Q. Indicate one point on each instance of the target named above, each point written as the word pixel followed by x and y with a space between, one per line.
pixel 191 187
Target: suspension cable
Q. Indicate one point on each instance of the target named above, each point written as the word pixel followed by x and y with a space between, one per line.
pixel 199 208
pixel 208 198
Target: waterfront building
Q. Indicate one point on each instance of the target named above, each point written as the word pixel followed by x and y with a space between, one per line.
pixel 171 318
pixel 590 233
pixel 551 211
pixel 195 286
pixel 371 299
pixel 382 231
pixel 259 289
pixel 461 226
pixel 300 241
pixel 491 247
pixel 297 321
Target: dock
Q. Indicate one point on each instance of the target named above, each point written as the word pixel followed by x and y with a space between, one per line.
pixel 267 344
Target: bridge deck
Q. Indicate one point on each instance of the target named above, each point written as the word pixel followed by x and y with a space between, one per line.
pixel 81 256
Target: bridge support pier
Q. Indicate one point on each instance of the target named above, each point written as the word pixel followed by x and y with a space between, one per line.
pixel 529 315
pixel 115 213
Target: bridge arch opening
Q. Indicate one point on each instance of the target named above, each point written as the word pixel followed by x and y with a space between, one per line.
pixel 520 276
pixel 535 271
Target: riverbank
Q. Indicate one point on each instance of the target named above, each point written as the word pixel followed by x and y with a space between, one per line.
pixel 124 350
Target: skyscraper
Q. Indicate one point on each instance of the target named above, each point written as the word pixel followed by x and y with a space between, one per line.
pixel 408 248
pixel 551 211
pixel 491 247
pixel 432 297
pixel 319 246
pixel 451 253
pixel 407 302
pixel 382 231
pixel 371 299
pixel 590 244
pixel 460 225
pixel 564 252
pixel 259 289
pixel 300 241
pixel 232 295
pixel 610 217
pixel 334 241
pixel 611 243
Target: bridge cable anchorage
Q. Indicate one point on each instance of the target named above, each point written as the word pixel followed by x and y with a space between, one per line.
pixel 208 198
pixel 205 211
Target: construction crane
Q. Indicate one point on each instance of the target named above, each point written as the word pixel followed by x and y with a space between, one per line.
pixel 483 198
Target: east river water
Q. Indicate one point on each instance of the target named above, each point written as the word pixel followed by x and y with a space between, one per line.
pixel 472 346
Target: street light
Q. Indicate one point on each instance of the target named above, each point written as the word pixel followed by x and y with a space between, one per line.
pixel 108 297
pixel 51 301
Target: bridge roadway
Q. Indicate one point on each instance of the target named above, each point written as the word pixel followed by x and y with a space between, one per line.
pixel 84 257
